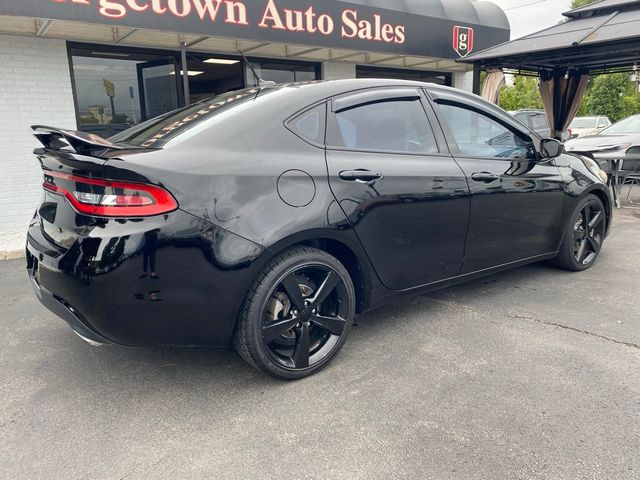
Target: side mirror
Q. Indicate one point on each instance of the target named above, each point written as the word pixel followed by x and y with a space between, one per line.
pixel 551 148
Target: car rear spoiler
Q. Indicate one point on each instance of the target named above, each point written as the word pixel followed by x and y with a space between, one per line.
pixel 82 143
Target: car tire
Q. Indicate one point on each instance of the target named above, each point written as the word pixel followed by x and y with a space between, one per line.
pixel 320 317
pixel 583 236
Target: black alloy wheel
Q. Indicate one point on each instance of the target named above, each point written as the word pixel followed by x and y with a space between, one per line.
pixel 588 234
pixel 583 242
pixel 298 315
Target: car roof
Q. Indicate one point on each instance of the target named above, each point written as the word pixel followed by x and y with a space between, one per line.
pixel 330 88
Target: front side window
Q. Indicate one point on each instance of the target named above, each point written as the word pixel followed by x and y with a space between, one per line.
pixel 479 135
pixel 388 126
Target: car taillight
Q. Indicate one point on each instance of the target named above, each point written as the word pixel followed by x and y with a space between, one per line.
pixel 109 198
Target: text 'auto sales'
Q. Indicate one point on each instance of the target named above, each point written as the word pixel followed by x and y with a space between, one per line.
pixel 307 20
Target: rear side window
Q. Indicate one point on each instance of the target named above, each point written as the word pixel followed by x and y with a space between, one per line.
pixel 310 125
pixel 388 126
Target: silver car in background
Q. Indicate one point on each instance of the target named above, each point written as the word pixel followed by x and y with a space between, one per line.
pixel 583 126
pixel 619 141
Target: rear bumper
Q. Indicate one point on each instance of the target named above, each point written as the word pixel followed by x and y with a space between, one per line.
pixel 174 280
pixel 60 308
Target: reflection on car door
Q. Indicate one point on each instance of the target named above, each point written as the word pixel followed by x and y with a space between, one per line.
pixel 407 200
pixel 517 202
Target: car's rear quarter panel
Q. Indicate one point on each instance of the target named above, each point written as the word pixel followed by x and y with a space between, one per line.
pixel 200 270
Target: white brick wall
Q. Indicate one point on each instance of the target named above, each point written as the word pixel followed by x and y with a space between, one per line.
pixel 35 88
pixel 338 70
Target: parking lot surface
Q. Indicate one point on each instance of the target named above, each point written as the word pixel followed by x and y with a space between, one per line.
pixel 533 373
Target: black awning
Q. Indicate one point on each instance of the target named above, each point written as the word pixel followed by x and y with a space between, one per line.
pixel 444 29
pixel 603 36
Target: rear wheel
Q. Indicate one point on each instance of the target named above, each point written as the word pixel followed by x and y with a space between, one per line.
pixel 297 315
pixel 584 236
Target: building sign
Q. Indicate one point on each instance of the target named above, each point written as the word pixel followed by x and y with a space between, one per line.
pixel 323 23
pixel 463 40
pixel 109 87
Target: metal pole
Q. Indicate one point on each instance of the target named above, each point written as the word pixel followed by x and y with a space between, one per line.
pixel 185 74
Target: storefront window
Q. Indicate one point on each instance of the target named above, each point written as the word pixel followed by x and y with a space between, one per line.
pixel 282 72
pixel 212 75
pixel 398 73
pixel 116 90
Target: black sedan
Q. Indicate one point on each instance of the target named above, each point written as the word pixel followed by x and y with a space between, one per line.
pixel 270 217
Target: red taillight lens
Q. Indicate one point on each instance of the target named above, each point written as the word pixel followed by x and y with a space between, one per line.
pixel 108 198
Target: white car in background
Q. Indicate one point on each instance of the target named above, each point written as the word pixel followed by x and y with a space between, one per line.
pixel 583 126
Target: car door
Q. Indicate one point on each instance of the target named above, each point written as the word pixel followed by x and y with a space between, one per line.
pixel 517 201
pixel 404 195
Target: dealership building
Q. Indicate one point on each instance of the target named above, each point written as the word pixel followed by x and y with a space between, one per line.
pixel 102 66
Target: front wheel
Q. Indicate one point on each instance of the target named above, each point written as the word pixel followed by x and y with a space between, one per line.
pixel 297 315
pixel 584 236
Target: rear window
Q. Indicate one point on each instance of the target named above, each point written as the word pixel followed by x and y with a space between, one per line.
pixel 584 122
pixel 156 132
pixel 539 122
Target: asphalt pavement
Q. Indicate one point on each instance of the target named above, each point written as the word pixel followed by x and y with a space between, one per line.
pixel 529 374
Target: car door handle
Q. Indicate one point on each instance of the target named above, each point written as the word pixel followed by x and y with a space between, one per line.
pixel 485 177
pixel 360 175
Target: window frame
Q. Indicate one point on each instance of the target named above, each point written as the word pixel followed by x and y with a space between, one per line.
pixel 375 95
pixel 469 102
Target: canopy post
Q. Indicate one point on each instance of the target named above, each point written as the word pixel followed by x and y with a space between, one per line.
pixel 476 78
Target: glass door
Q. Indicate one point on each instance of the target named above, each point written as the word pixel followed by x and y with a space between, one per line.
pixel 159 84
